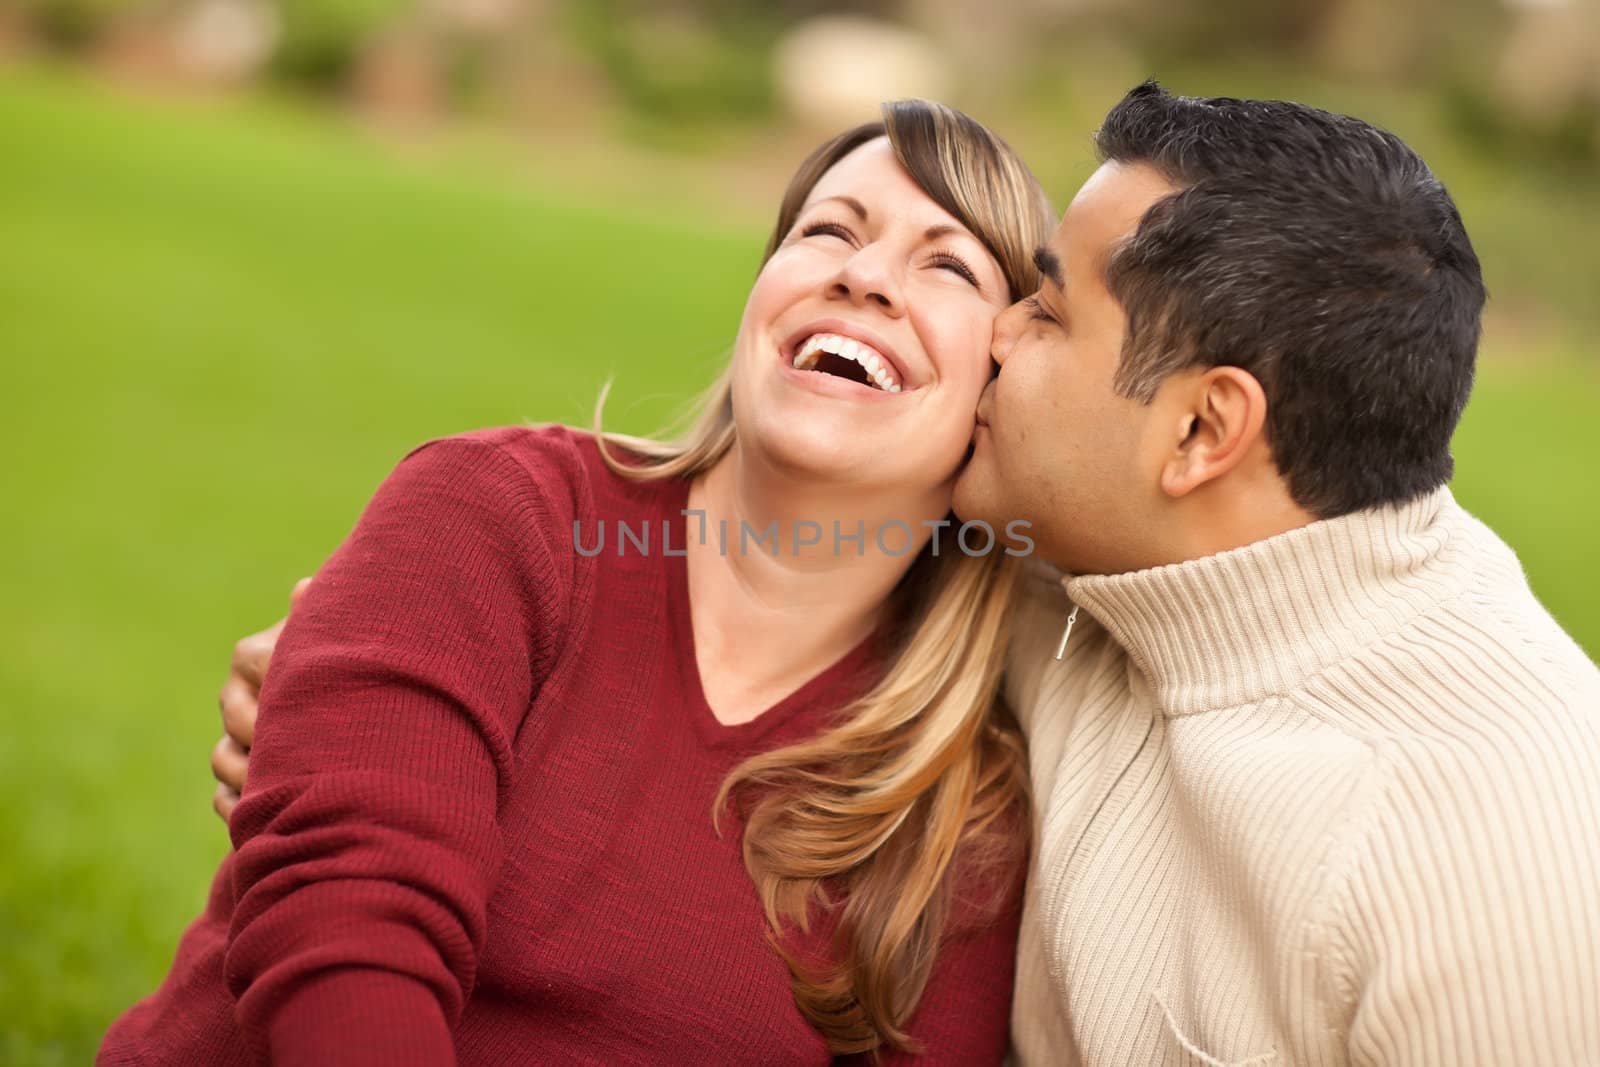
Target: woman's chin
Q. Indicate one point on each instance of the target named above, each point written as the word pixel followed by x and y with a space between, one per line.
pixel 829 462
pixel 814 453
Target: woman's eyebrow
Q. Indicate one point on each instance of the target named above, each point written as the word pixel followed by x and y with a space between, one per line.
pixel 932 233
pixel 850 202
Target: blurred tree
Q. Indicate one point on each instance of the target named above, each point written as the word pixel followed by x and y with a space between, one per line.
pixel 70 24
pixel 683 62
pixel 322 39
pixel 1548 75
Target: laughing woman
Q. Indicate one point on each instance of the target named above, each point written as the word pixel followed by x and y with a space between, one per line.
pixel 711 798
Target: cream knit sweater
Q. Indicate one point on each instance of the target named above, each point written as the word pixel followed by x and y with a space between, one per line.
pixel 1329 798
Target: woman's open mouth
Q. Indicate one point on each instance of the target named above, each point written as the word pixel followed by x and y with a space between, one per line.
pixel 845 357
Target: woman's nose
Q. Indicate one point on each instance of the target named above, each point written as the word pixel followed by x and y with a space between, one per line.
pixel 868 278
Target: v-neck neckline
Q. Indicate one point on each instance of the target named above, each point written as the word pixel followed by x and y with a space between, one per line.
pixel 712 731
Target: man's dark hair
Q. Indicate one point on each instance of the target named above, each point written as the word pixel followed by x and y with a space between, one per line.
pixel 1318 253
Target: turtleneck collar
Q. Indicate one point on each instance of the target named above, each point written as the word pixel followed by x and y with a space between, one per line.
pixel 1239 626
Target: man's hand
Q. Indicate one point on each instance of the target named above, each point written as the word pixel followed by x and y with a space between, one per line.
pixel 230 759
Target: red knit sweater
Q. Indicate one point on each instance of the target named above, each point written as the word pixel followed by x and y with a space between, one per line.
pixel 477 827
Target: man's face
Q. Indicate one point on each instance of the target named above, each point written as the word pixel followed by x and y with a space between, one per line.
pixel 1056 445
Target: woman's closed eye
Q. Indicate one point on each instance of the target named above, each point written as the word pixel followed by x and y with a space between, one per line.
pixel 941 258
pixel 826 228
pixel 948 260
pixel 1037 311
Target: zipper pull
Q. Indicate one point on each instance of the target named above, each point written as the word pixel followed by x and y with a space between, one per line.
pixel 1072 618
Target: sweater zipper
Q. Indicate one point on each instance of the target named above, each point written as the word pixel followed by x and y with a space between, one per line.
pixel 1072 619
pixel 1126 748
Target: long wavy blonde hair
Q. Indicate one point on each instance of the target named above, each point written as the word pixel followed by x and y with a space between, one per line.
pixel 920 788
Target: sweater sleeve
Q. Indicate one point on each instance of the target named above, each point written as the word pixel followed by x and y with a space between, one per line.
pixel 366 834
pixel 1471 926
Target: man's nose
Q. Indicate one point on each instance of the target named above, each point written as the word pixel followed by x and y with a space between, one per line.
pixel 1005 332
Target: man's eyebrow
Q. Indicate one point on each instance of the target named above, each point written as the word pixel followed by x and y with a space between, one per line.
pixel 850 202
pixel 1049 265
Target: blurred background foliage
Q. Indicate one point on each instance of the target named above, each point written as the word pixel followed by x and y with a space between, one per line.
pixel 253 250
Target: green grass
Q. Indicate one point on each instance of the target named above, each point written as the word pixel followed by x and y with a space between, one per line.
pixel 1525 464
pixel 220 326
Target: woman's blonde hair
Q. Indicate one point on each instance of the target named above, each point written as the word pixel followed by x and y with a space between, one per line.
pixel 919 790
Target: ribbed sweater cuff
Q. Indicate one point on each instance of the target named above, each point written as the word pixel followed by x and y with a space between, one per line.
pixel 361 1017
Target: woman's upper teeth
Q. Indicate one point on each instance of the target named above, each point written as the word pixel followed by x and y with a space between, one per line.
pixel 878 369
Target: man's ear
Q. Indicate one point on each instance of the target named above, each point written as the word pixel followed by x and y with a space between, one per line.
pixel 1220 415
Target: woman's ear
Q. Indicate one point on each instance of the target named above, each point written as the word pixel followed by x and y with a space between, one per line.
pixel 1220 415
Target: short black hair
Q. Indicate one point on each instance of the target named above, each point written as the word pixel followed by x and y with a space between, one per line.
pixel 1319 253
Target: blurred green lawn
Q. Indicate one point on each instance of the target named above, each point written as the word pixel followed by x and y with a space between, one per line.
pixel 220 327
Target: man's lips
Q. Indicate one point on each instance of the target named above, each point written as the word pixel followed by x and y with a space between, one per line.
pixel 985 405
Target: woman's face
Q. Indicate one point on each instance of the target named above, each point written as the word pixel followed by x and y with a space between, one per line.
pixel 865 343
